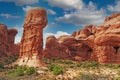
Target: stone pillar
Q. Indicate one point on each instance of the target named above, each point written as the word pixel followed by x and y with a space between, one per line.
pixel 31 46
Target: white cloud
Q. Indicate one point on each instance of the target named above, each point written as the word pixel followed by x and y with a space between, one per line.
pixel 57 34
pixel 27 8
pixel 21 2
pixel 19 35
pixel 83 17
pixel 9 16
pixel 66 4
pixel 49 11
pixel 114 8
pixel 78 12
pixel 18 39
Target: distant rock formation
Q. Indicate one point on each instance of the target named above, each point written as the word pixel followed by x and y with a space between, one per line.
pixel 7 45
pixel 54 49
pixel 31 46
pixel 94 43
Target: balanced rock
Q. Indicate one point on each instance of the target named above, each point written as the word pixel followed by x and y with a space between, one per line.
pixel 31 45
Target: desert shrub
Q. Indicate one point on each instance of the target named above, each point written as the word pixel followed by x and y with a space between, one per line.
pixel 92 64
pixel 1 65
pixel 58 70
pixel 20 71
pixel 30 70
pixel 79 64
pixel 71 66
pixel 15 66
pixel 46 60
pixel 114 66
pixel 51 66
pixel 68 62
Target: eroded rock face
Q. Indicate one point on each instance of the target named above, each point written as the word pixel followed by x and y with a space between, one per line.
pixel 32 39
pixel 11 38
pixel 97 43
pixel 109 41
pixel 7 37
pixel 56 50
pixel 113 19
pixel 3 39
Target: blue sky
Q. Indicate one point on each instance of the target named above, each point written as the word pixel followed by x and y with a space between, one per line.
pixel 64 16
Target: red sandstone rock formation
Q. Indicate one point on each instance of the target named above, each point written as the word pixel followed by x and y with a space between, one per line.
pixel 31 46
pixel 11 38
pixel 56 50
pixel 98 43
pixel 114 15
pixel 7 37
pixel 109 42
pixel 3 39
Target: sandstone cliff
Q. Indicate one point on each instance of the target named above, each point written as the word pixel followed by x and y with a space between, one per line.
pixel 97 43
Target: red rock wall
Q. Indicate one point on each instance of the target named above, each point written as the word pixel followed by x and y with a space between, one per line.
pixel 7 37
pixel 96 43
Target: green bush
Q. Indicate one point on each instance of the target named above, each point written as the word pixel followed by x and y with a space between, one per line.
pixel 30 70
pixel 1 65
pixel 79 64
pixel 51 66
pixel 68 62
pixel 20 71
pixel 15 66
pixel 114 66
pixel 92 64
pixel 58 70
